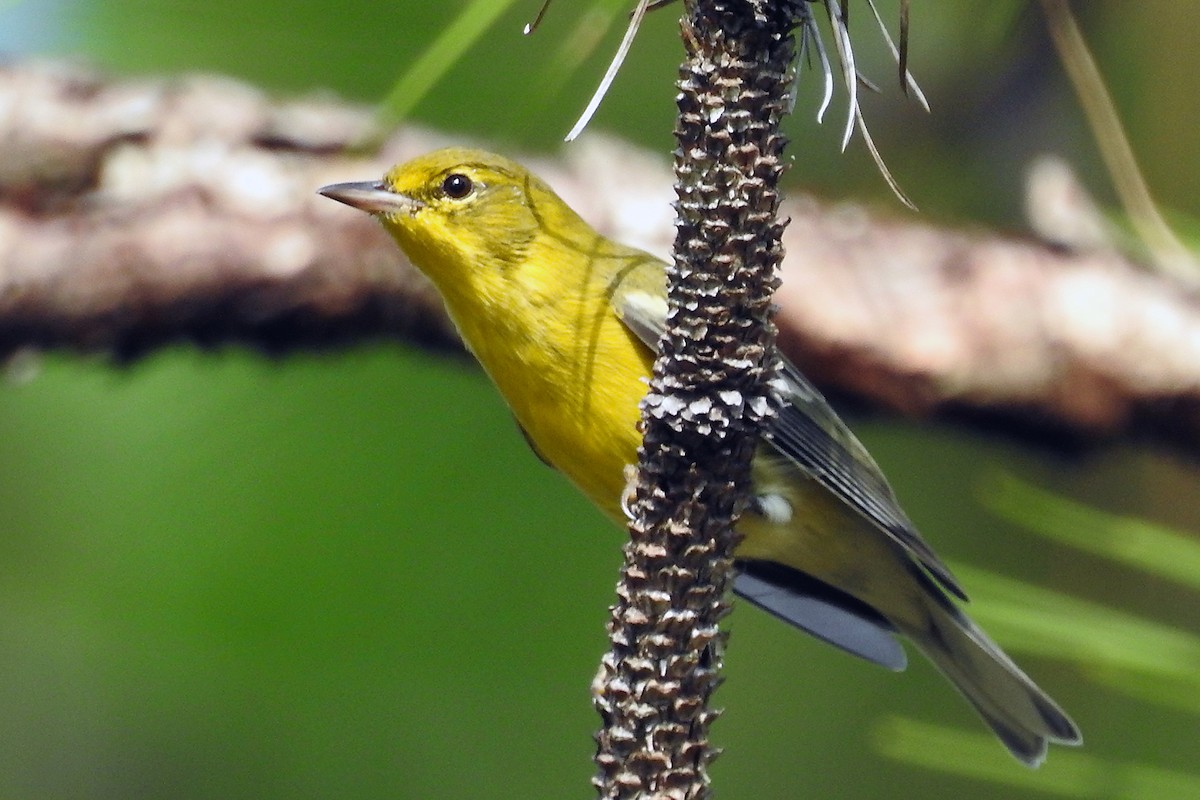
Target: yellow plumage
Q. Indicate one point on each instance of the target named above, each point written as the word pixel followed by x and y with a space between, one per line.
pixel 564 322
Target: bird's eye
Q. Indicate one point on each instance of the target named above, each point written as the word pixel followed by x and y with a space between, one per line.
pixel 457 186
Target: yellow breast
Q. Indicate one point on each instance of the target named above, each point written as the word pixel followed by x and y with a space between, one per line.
pixel 571 372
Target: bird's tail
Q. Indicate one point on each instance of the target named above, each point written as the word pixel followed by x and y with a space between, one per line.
pixel 1011 704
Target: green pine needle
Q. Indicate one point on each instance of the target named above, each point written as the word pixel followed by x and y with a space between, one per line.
pixel 1133 542
pixel 1071 773
pixel 443 53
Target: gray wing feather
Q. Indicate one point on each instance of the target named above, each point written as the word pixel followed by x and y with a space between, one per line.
pixel 810 434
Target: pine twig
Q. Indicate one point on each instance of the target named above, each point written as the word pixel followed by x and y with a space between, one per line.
pixel 708 399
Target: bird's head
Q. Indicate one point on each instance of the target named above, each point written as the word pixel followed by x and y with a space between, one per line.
pixel 456 212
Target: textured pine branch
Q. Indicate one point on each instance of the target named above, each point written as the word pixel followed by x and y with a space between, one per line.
pixel 708 399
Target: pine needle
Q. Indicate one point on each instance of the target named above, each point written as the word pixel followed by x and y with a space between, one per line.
pixel 635 22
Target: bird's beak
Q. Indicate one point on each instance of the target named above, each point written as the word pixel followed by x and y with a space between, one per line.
pixel 372 197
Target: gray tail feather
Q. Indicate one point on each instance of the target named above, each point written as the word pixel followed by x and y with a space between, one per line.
pixel 1023 716
pixel 820 610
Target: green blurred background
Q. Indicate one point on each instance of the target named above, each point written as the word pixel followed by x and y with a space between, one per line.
pixel 344 575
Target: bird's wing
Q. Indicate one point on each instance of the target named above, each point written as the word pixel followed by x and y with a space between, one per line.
pixel 810 434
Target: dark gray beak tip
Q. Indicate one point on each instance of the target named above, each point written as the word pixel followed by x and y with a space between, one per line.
pixel 373 197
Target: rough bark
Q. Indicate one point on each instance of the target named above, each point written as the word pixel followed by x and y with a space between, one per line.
pixel 709 397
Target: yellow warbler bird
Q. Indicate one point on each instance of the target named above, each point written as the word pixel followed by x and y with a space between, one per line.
pixel 565 322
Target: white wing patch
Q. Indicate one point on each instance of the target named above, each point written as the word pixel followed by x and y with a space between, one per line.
pixel 775 508
pixel 645 314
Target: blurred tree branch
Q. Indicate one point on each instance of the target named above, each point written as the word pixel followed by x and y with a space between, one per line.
pixel 135 213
